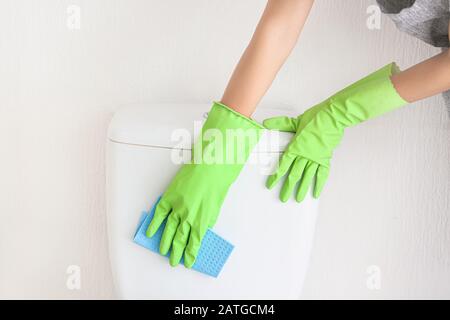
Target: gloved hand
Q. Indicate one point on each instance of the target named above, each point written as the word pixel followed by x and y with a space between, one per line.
pixel 193 199
pixel 320 129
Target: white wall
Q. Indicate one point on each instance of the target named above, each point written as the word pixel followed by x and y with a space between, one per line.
pixel 387 200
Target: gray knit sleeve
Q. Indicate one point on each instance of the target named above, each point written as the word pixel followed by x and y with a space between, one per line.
pixel 424 19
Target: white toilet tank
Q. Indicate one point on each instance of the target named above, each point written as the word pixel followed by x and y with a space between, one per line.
pixel 272 239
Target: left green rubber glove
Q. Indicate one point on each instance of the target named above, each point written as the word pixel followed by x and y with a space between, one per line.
pixel 193 199
pixel 319 130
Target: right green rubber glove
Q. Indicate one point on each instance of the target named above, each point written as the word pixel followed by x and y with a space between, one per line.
pixel 320 129
pixel 195 195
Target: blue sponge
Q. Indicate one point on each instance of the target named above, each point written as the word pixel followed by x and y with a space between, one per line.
pixel 211 257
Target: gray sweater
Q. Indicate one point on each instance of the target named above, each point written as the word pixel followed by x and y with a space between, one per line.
pixel 427 20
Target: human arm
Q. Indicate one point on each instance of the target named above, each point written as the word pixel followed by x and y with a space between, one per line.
pixel 192 201
pixel 425 79
pixel 274 38
pixel 319 130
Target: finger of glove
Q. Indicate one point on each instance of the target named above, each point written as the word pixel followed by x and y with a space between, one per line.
pixel 321 179
pixel 193 246
pixel 292 179
pixel 162 211
pixel 285 164
pixel 306 180
pixel 285 124
pixel 179 243
pixel 169 233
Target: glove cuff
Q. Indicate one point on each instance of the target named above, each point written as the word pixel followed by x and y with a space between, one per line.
pixel 227 137
pixel 240 119
pixel 369 97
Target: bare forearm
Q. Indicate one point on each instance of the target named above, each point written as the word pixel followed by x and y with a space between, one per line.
pixel 271 44
pixel 425 79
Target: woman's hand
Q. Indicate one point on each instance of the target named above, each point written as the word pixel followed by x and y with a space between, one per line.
pixel 319 130
pixel 194 197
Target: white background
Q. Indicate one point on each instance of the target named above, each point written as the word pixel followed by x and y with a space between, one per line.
pixel 387 200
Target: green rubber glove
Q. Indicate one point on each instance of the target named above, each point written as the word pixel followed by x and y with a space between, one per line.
pixel 319 130
pixel 193 199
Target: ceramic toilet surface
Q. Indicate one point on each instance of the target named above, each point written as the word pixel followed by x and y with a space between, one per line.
pixel 272 239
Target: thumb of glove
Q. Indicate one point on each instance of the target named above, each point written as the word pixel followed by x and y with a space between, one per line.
pixel 283 123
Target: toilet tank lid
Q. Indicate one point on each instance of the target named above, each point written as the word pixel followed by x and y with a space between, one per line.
pixel 174 126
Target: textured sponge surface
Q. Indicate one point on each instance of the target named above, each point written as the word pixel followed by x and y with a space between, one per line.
pixel 213 253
